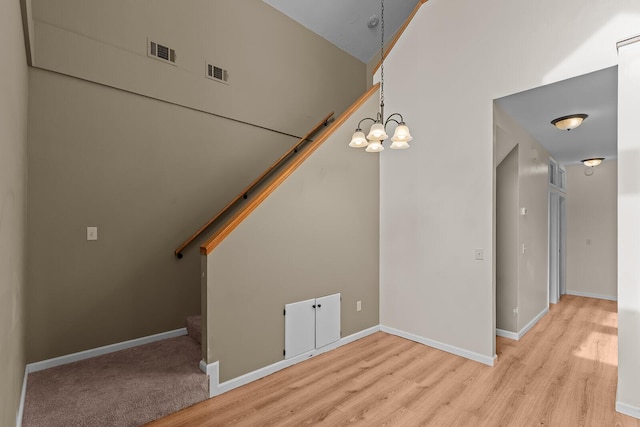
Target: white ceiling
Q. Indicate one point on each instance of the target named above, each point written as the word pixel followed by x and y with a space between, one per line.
pixel 595 94
pixel 344 22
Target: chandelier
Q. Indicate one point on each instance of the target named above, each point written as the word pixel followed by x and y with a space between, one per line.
pixel 378 131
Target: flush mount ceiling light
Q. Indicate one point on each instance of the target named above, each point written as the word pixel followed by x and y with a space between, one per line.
pixel 569 122
pixel 377 133
pixel 593 162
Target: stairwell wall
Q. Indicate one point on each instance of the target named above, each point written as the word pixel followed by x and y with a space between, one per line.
pixel 13 187
pixel 129 144
pixel 315 235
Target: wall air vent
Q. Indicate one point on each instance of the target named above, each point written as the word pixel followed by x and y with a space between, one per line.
pixel 218 74
pixel 160 51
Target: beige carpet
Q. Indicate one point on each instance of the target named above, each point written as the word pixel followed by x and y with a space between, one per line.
pixel 126 388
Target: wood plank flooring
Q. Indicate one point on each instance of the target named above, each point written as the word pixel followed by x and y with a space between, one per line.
pixel 562 373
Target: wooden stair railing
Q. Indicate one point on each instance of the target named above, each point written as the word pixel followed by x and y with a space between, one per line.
pixel 245 192
pixel 239 217
pixel 261 195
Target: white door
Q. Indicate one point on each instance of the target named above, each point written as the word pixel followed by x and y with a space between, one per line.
pixel 299 328
pixel 327 320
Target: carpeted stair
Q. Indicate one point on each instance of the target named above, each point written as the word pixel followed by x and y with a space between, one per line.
pixel 194 327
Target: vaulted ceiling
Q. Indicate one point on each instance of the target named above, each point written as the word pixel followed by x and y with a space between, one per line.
pixel 345 22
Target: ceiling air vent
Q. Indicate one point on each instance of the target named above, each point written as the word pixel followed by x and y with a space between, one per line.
pixel 218 74
pixel 160 51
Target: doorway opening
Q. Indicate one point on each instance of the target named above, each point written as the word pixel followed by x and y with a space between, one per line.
pixel 552 250
pixel 557 246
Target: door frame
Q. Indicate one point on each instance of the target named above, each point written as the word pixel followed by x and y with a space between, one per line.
pixel 557 245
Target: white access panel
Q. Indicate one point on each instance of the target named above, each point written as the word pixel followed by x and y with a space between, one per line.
pixel 299 328
pixel 327 320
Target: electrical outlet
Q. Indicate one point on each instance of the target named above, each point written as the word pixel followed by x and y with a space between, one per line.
pixel 359 306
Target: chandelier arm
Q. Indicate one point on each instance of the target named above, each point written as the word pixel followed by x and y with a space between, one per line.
pixel 366 118
pixel 390 119
pixel 399 115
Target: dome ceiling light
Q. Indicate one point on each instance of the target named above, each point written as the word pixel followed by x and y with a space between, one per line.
pixel 569 122
pixel 592 162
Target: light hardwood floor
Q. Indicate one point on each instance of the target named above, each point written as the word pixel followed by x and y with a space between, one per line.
pixel 562 373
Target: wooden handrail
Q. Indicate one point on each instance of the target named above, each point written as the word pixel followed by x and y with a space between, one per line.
pixel 399 33
pixel 233 222
pixel 247 189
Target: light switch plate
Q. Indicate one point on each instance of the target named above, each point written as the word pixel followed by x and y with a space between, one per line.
pixel 92 233
pixel 479 253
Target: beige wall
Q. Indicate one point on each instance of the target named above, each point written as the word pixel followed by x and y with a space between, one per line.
pixel 13 144
pixel 592 230
pixel 316 235
pixel 146 172
pixel 282 75
pixel 532 228
pixel 533 280
pixel 507 242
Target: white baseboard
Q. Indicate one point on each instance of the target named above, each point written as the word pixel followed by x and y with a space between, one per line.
pixel 507 334
pixel 625 409
pixel 23 394
pixel 533 322
pixel 487 360
pixel 213 369
pixel 591 295
pixel 517 335
pixel 87 354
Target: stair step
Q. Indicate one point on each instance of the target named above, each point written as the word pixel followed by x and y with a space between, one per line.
pixel 194 327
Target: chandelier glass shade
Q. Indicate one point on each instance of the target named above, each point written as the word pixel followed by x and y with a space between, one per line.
pixel 358 140
pixel 377 132
pixel 374 147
